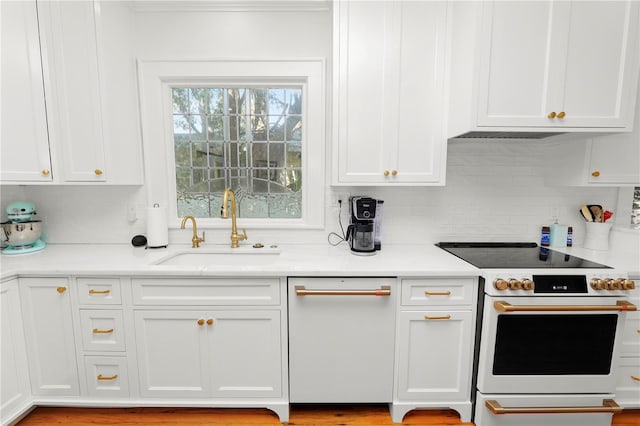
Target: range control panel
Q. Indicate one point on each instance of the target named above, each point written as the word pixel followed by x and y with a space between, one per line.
pixel 520 283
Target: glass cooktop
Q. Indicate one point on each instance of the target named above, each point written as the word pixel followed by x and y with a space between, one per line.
pixel 490 255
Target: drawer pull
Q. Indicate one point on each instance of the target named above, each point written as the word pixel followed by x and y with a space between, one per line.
pixel 92 291
pixel 61 289
pixel 210 321
pixel 384 290
pixel 437 293
pixel 200 321
pixel 608 406
pixel 98 331
pixel 440 317
pixel 101 377
pixel 636 378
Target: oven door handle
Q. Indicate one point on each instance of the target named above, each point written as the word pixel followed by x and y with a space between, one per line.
pixel 608 406
pixel 384 290
pixel 620 306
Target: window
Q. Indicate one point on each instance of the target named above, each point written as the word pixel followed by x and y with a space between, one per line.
pixel 245 138
pixel 254 126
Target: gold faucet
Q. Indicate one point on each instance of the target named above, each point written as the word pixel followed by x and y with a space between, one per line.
pixel 195 241
pixel 235 237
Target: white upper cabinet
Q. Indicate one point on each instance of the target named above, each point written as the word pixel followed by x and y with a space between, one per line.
pixel 389 90
pixel 606 160
pixel 25 141
pixel 73 89
pixel 546 66
pixel 69 108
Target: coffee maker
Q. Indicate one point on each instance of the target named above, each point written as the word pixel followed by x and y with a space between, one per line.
pixel 363 232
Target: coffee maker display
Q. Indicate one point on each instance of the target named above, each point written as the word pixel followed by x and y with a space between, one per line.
pixel 363 232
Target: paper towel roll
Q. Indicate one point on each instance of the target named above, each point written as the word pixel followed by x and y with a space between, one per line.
pixel 157 230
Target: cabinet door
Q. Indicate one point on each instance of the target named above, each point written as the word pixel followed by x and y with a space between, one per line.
pixel 173 358
pixel 14 392
pixel 24 142
pixel 390 80
pixel 558 64
pixel 435 353
pixel 519 56
pixel 46 307
pixel 599 81
pixel 245 354
pixel 68 34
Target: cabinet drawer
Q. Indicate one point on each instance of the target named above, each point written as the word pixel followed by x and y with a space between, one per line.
pixel 190 291
pixel 107 376
pixel 630 345
pixel 99 291
pixel 438 291
pixel 102 330
pixel 628 385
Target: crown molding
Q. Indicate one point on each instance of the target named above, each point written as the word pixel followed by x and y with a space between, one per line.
pixel 175 6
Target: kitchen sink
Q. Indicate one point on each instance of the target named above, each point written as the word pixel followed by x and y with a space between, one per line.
pixel 221 256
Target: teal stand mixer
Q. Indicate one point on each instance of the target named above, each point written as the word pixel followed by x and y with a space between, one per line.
pixel 21 233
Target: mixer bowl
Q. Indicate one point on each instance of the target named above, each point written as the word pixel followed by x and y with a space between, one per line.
pixel 22 233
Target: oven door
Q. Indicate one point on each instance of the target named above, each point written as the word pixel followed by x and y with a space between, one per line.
pixel 550 344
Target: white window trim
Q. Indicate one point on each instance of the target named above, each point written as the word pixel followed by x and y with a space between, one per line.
pixel 156 78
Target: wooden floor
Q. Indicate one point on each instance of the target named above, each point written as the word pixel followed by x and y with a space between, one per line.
pixel 307 415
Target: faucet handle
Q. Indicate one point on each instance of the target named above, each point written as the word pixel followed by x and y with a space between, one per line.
pixel 244 234
pixel 202 239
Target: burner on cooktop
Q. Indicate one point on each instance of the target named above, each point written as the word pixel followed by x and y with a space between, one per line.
pixel 507 255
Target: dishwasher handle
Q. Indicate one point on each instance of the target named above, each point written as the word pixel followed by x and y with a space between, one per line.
pixel 384 290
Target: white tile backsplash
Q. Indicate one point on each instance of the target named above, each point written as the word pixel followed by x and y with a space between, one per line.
pixel 495 191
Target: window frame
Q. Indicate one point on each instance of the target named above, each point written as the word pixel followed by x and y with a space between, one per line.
pixel 158 77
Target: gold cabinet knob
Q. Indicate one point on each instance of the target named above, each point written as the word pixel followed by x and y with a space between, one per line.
pixel 200 321
pixel 561 114
pixel 210 321
pixel 394 173
pixel 386 172
pixel 61 289
pixel 98 172
pixel 595 173
pixel 551 115
pixel 46 172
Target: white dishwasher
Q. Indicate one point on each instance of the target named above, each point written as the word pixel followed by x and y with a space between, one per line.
pixel 341 339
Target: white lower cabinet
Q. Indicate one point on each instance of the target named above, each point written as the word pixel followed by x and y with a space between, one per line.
pixel 15 395
pixel 209 353
pixel 435 355
pixel 434 345
pixel 48 324
pixel 628 385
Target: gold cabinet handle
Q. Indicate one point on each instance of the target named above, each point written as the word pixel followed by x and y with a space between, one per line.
pixel 200 321
pixel 101 377
pixel 595 173
pixel 386 172
pixel 98 172
pixel 551 115
pixel 61 289
pixel 210 321
pixel 46 172
pixel 620 306
pixel 394 173
pixel 92 291
pixel 437 293
pixel 440 317
pixel 608 406
pixel 636 378
pixel 384 290
pixel 561 114
pixel 98 331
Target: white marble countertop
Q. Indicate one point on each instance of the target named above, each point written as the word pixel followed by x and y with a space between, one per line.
pixel 293 260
